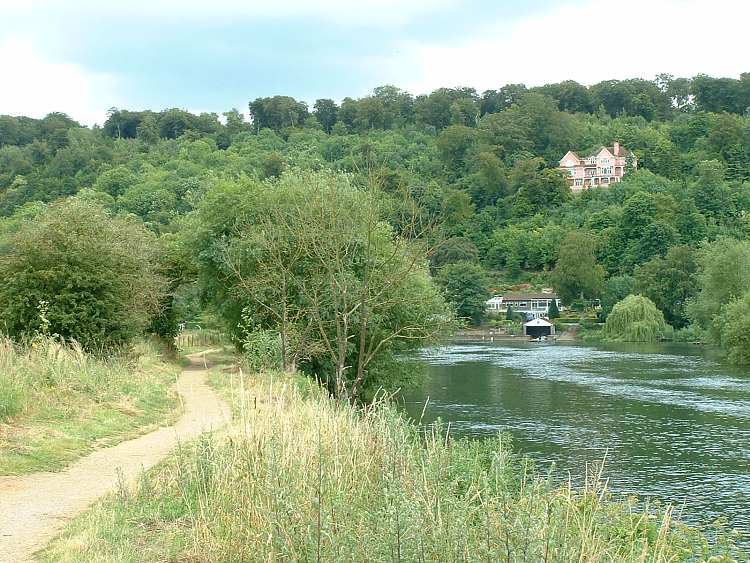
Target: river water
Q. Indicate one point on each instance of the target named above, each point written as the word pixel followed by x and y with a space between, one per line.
pixel 674 423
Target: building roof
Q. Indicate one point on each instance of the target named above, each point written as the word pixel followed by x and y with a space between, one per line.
pixel 528 296
pixel 538 322
pixel 623 152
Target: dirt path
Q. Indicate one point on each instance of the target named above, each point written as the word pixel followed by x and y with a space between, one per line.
pixel 33 508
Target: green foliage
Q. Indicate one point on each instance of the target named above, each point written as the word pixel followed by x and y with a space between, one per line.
pixel 635 319
pixel 723 273
pixel 554 312
pixel 479 171
pixel 365 485
pixel 95 274
pixel 616 288
pixel 733 326
pixel 670 282
pixel 311 258
pixel 465 287
pixel 577 274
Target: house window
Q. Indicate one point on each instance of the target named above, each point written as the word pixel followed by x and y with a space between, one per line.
pixel 605 180
pixel 579 181
pixel 572 171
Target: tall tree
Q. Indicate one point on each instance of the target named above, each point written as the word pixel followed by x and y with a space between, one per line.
pixel 576 274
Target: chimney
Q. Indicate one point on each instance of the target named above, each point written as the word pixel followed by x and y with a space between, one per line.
pixel 617 148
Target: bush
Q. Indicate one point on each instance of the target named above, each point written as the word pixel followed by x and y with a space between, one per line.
pixel 636 319
pixel 77 272
pixel 733 325
pixel 262 350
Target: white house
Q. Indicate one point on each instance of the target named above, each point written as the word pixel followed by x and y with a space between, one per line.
pixel 533 305
pixel 494 306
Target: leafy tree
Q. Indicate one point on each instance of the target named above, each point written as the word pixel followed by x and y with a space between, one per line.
pixel 453 250
pixel 616 288
pixel 326 111
pixel 78 272
pixel 733 326
pixel 577 274
pixel 509 315
pixel 175 122
pixel 670 282
pixel 554 312
pixel 310 257
pixel 465 287
pixel 635 319
pixel 438 110
pixel 454 144
pixel 723 271
pixel 277 112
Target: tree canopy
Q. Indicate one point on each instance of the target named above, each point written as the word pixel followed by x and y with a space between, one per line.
pixel 635 319
pixel 77 272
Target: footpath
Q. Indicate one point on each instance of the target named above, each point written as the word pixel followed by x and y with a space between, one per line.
pixel 35 507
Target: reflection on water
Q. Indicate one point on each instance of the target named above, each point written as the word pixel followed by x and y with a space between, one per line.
pixel 674 424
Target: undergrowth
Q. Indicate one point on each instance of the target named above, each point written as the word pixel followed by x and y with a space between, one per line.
pixel 302 477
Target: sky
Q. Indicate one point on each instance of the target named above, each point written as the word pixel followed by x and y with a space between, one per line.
pixel 82 57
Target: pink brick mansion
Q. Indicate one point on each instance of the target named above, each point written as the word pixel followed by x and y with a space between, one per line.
pixel 607 166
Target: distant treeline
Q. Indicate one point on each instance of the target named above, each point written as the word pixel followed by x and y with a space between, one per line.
pixel 482 170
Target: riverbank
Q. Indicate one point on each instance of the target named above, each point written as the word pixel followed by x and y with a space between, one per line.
pixel 58 403
pixel 35 507
pixel 303 477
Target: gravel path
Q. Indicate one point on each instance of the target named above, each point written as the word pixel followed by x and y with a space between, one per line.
pixel 34 508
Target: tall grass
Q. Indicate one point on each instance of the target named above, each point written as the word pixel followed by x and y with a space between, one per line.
pixel 304 478
pixel 56 400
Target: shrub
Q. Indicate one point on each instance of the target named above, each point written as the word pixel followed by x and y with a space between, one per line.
pixel 93 275
pixel 733 325
pixel 262 350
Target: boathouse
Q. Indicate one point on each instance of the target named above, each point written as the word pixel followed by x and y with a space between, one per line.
pixel 537 328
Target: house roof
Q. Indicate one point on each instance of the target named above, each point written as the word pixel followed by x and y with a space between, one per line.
pixel 623 153
pixel 538 322
pixel 528 296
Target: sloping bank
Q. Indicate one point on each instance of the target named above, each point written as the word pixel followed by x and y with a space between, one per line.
pixel 303 478
pixel 58 403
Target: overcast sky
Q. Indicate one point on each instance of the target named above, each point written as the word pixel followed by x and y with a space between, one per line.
pixel 84 56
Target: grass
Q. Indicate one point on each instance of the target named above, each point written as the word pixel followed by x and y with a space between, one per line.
pixel 301 477
pixel 58 403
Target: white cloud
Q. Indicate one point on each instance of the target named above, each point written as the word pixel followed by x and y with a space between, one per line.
pixel 357 12
pixel 587 42
pixel 35 86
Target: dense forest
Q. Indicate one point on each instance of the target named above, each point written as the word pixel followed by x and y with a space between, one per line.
pixel 210 208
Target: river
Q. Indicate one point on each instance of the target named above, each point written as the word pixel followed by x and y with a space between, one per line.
pixel 674 423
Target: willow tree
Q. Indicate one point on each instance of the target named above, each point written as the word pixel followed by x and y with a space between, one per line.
pixel 635 319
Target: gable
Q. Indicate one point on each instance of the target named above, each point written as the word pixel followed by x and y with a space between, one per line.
pixel 570 159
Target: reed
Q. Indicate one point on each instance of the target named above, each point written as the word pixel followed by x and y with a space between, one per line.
pixel 301 477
